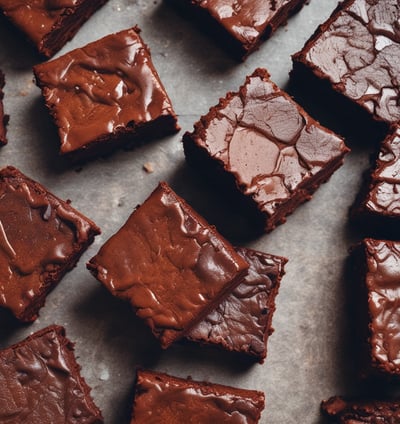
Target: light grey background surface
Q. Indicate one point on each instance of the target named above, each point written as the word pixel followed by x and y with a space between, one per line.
pixel 307 353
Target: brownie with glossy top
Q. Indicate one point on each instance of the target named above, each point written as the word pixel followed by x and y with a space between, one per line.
pixel 41 238
pixel 356 53
pixel 169 263
pixel 264 149
pixel 105 95
pixel 163 399
pixel 242 321
pixel 347 411
pixel 49 24
pixel 40 382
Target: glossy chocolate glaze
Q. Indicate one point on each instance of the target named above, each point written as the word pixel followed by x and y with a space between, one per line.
pixel 104 90
pixel 384 190
pixel 49 24
pixel 3 117
pixel 40 382
pixel 383 287
pixel 169 263
pixel 345 411
pixel 357 51
pixel 161 398
pixel 242 322
pixel 249 21
pixel 41 237
pixel 276 153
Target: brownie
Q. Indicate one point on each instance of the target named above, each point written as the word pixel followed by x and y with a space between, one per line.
pixel 169 263
pixel 346 411
pixel 161 398
pixel 41 382
pixel 377 263
pixel 242 321
pixel 104 95
pixel 355 52
pixel 49 24
pixel 240 25
pixel 41 238
pixel 377 207
pixel 264 149
pixel 3 116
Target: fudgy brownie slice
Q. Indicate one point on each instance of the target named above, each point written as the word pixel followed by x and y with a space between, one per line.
pixel 49 24
pixel 3 117
pixel 356 53
pixel 264 149
pixel 378 205
pixel 41 238
pixel 41 382
pixel 376 269
pixel 240 25
pixel 105 95
pixel 169 263
pixel 242 321
pixel 161 398
pixel 345 411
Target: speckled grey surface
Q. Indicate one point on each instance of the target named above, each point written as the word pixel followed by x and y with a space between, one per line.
pixel 307 354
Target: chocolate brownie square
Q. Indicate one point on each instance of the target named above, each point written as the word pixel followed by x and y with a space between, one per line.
pixel 169 263
pixel 41 238
pixel 376 267
pixel 242 321
pixel 264 149
pixel 377 207
pixel 240 25
pixel 49 24
pixel 355 52
pixel 346 411
pixel 3 117
pixel 161 398
pixel 40 382
pixel 105 95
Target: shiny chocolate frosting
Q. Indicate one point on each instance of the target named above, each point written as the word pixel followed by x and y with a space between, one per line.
pixel 169 263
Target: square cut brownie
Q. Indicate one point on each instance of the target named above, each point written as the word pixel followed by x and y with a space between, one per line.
pixel 161 398
pixel 40 382
pixel 377 263
pixel 3 117
pixel 240 25
pixel 105 94
pixel 242 321
pixel 169 263
pixel 355 52
pixel 49 24
pixel 377 207
pixel 265 149
pixel 346 411
pixel 41 238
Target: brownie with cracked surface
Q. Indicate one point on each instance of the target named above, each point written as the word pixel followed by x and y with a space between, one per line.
pixel 49 24
pixel 169 263
pixel 105 95
pixel 41 382
pixel 355 52
pixel 41 238
pixel 3 116
pixel 377 206
pixel 161 398
pixel 242 322
pixel 376 268
pixel 347 411
pixel 240 25
pixel 265 149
